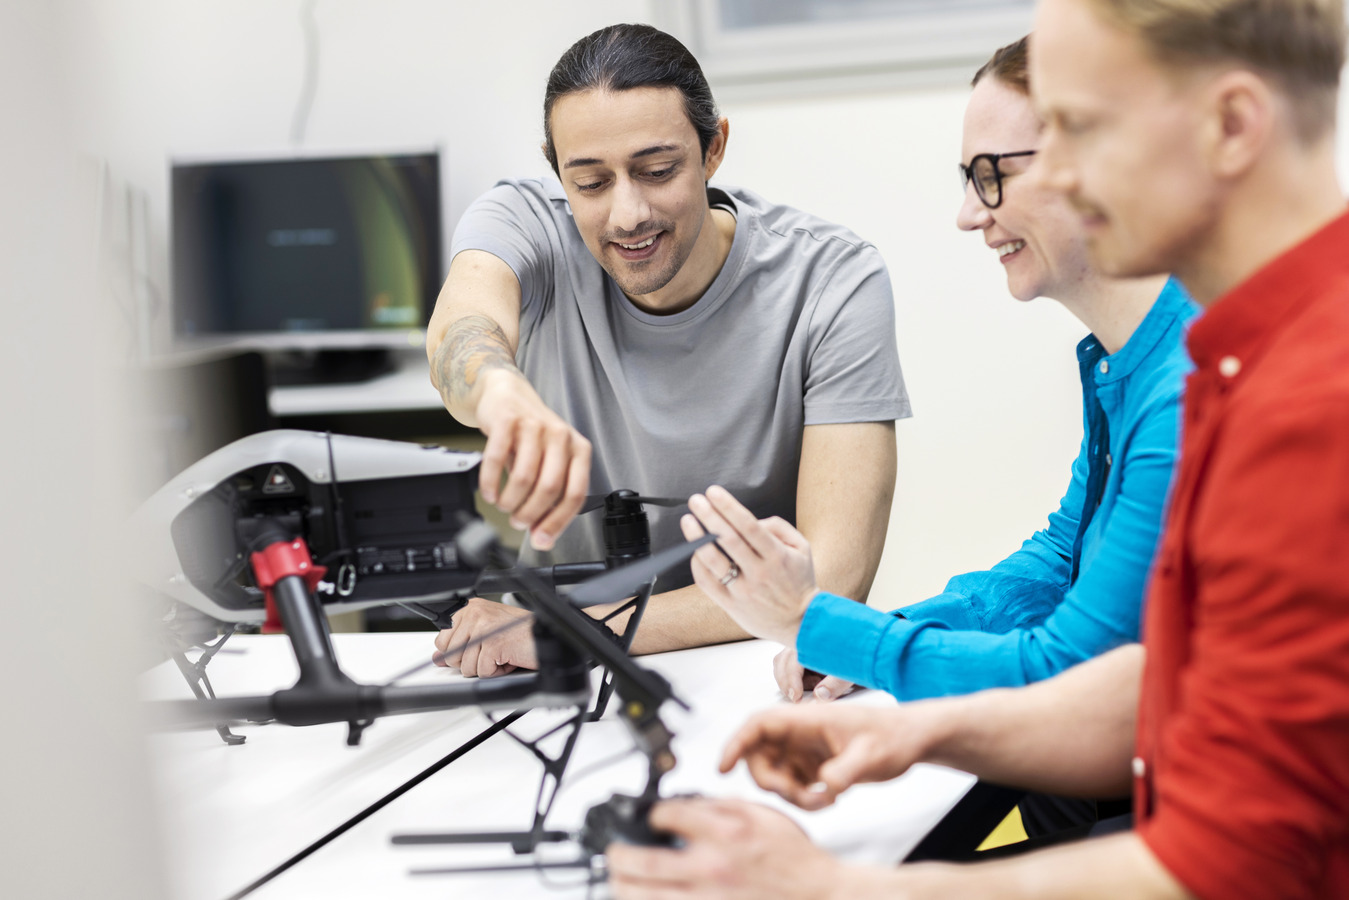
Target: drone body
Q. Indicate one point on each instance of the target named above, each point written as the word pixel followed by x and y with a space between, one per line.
pixel 263 521
pixel 380 515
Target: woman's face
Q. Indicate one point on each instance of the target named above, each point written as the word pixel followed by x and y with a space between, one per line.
pixel 1034 231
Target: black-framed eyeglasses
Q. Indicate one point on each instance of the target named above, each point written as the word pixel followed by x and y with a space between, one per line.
pixel 987 176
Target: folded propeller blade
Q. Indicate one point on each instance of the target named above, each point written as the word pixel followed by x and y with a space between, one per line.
pixel 662 501
pixel 583 862
pixel 619 584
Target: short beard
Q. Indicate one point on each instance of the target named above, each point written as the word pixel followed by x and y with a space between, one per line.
pixel 642 280
pixel 639 283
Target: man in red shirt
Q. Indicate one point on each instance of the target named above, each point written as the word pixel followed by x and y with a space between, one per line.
pixel 1196 137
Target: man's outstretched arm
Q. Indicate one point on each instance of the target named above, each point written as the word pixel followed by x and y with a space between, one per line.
pixel 1120 866
pixel 471 343
pixel 1079 741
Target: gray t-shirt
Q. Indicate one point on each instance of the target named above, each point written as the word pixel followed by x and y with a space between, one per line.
pixel 797 329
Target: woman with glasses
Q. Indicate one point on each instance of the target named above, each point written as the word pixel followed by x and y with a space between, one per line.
pixel 1075 589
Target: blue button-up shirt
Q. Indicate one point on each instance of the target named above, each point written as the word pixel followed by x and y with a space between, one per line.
pixel 1075 589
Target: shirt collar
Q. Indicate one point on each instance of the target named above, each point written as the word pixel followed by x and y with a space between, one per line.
pixel 1235 330
pixel 1171 304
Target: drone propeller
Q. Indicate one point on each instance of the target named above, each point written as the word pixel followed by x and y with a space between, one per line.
pixel 584 862
pixel 595 501
pixel 618 584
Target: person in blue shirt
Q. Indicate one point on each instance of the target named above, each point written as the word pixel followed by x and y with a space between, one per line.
pixel 1075 589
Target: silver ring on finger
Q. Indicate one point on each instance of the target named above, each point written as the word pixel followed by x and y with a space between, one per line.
pixel 731 575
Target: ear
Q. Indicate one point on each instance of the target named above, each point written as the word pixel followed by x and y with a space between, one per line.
pixel 1244 111
pixel 716 150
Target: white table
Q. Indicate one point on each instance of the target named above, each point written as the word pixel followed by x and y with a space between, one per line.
pixel 232 814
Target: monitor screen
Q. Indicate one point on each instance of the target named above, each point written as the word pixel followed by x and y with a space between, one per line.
pixel 306 252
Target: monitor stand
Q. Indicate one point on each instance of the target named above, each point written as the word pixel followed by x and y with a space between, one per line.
pixel 306 367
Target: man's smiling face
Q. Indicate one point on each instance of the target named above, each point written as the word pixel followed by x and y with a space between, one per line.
pixel 634 173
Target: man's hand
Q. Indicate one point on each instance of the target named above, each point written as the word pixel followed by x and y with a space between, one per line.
pixel 732 849
pixel 808 755
pixel 794 679
pixel 548 460
pixel 504 640
pixel 769 579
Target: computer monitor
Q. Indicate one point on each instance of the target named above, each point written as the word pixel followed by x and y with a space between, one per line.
pixel 309 253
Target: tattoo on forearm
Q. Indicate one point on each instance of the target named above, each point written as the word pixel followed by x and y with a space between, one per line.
pixel 472 346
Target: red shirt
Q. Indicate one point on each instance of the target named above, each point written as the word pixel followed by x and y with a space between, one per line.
pixel 1242 775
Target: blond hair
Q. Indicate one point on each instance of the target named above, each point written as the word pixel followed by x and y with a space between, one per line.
pixel 1299 44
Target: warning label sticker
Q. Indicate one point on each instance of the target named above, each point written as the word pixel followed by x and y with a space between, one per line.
pixel 278 482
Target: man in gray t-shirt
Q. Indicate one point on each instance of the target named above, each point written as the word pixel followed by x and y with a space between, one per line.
pixel 630 327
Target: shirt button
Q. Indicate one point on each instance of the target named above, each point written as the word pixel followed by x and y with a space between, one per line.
pixel 1140 768
pixel 1105 367
pixel 1229 366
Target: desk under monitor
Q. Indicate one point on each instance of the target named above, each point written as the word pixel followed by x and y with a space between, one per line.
pixel 232 815
pixel 400 404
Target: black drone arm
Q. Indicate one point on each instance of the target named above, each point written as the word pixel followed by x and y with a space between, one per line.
pixel 323 693
pixel 479 544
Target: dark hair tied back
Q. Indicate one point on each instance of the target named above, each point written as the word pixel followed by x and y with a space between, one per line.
pixel 623 57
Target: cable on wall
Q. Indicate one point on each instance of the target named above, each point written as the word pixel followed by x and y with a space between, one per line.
pixel 310 26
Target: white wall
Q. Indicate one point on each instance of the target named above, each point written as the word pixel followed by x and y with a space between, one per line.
pixel 994 384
